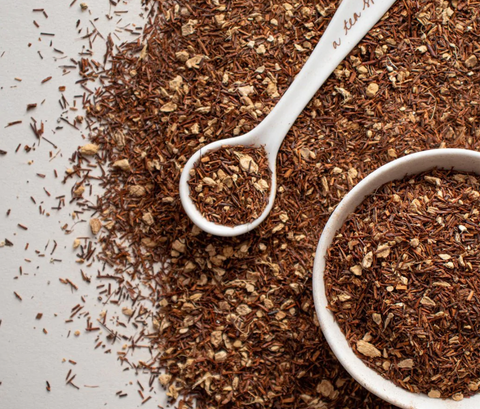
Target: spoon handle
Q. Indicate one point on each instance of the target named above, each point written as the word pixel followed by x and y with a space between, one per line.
pixel 351 22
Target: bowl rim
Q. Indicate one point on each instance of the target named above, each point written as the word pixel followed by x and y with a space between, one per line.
pixel 450 158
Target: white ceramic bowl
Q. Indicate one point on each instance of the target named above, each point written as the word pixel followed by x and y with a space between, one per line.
pixel 458 159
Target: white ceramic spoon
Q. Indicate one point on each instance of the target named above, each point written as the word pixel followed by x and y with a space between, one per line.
pixel 352 20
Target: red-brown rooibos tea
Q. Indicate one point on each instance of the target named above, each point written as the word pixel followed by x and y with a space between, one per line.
pixel 203 69
pixel 231 185
pixel 402 281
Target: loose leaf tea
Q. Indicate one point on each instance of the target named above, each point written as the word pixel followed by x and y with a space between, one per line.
pixel 230 186
pixel 231 320
pixel 402 279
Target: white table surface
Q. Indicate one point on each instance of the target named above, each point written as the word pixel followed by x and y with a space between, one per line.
pixel 29 357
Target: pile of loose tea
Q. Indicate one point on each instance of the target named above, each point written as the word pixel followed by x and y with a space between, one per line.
pixel 230 186
pixel 231 320
pixel 402 280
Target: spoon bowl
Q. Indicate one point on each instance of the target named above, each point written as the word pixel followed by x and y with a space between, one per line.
pixel 251 138
pixel 352 20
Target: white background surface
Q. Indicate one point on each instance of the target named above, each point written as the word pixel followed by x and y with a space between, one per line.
pixel 29 357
